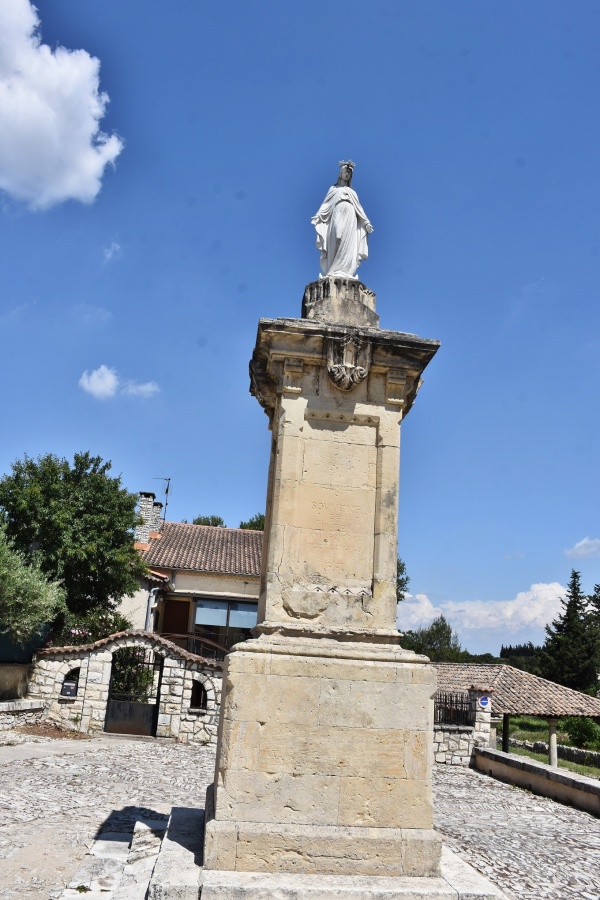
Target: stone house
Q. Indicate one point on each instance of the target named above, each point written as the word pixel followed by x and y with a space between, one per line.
pixel 203 582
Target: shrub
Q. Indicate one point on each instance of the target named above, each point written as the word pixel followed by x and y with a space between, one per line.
pixel 583 732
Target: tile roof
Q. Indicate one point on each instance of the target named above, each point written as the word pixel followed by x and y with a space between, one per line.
pixel 205 548
pixel 124 637
pixel 516 692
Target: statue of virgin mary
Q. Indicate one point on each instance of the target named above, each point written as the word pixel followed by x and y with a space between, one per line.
pixel 342 228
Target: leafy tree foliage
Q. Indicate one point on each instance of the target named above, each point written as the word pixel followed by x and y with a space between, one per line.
pixel 78 521
pixel 522 656
pixel 583 732
pixel 570 653
pixel 28 599
pixel 255 523
pixel 216 521
pixel 437 641
pixel 73 630
pixel 402 581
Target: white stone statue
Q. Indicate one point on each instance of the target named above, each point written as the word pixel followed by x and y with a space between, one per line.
pixel 342 228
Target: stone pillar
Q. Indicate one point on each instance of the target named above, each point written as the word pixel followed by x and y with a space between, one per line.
pixel 483 714
pixel 552 746
pixel 325 740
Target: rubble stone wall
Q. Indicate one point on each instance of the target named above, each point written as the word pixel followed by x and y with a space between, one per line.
pixel 86 711
pixel 21 712
pixel 453 745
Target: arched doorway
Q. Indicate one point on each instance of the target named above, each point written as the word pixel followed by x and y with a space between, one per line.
pixel 134 691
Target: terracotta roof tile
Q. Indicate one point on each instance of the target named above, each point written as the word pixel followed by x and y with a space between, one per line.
pixel 205 548
pixel 156 639
pixel 516 692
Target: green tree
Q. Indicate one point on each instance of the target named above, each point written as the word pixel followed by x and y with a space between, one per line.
pixel 216 521
pixel 256 523
pixel 437 641
pixel 78 521
pixel 569 653
pixel 402 581
pixel 28 599
pixel 73 630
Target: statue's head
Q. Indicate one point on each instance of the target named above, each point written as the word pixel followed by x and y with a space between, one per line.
pixel 346 172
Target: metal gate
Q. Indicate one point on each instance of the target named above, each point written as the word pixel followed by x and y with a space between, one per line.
pixel 134 692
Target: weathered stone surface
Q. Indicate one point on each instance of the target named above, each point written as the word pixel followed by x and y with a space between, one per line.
pixel 457 881
pixel 340 300
pixel 330 550
pixel 177 872
pixel 264 847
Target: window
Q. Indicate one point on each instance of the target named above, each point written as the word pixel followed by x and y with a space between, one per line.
pixel 199 696
pixel 70 684
pixel 225 621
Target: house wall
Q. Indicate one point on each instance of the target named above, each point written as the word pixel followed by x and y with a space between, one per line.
pixel 134 607
pixel 232 585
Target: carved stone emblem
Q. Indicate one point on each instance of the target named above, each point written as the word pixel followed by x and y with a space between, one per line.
pixel 348 361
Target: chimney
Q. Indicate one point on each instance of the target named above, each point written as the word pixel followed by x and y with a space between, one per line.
pixel 146 510
pixel 156 520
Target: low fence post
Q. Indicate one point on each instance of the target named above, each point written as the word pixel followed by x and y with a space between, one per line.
pixel 552 746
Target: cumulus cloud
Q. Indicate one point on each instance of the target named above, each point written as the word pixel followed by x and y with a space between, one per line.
pixel 585 548
pixel 104 383
pixel 483 625
pixel 113 251
pixel 52 148
pixel 101 383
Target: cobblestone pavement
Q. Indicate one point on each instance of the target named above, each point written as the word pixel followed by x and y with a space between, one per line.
pixel 53 806
pixel 531 847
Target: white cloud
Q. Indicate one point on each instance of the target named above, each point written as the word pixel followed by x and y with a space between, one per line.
pixel 137 389
pixel 482 625
pixel 92 315
pixel 101 383
pixel 585 548
pixel 112 252
pixel 52 148
pixel 104 382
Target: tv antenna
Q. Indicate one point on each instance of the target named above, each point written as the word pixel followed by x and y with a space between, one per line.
pixel 167 486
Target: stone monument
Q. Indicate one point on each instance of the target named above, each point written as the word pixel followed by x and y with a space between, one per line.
pixel 323 776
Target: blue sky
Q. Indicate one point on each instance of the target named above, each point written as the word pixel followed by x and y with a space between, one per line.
pixel 144 235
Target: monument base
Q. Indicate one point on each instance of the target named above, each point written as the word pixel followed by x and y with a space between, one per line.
pixel 324 761
pixel 458 881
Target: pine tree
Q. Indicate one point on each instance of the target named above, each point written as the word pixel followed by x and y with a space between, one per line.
pixel 569 653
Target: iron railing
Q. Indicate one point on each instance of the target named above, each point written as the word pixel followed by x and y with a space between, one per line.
pixel 201 646
pixel 453 709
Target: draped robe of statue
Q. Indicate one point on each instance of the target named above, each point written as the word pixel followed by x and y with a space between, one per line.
pixel 342 229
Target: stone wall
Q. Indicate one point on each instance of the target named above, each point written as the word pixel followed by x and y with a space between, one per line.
pixel 453 745
pixel 573 754
pixel 86 711
pixel 21 712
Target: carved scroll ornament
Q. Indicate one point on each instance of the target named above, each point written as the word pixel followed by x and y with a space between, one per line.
pixel 348 361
